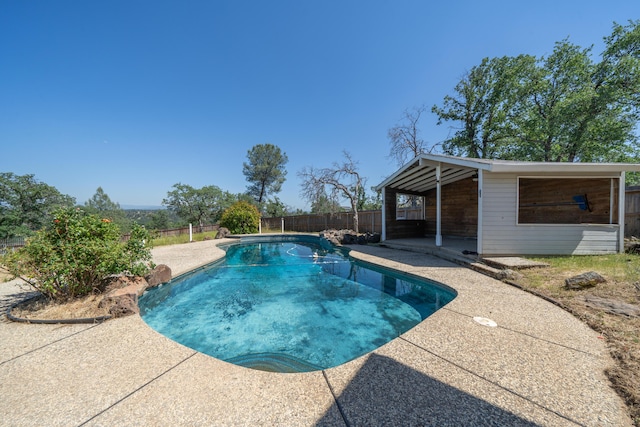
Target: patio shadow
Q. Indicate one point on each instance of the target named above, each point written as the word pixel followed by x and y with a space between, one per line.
pixel 385 392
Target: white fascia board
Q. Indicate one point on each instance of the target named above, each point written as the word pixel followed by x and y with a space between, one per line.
pixel 433 160
pixel 397 174
pixel 555 167
pixel 509 166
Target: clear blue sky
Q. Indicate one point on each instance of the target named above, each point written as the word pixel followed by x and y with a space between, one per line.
pixel 135 96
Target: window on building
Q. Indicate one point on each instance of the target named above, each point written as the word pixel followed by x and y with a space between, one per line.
pixel 409 207
pixel 567 200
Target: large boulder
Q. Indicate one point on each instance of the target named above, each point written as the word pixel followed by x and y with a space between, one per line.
pixel 373 237
pixel 121 302
pixel 584 280
pixel 349 237
pixel 159 275
pixel 222 233
pixel 121 295
pixel 333 236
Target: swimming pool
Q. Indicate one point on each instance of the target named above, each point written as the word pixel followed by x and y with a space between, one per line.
pixel 290 305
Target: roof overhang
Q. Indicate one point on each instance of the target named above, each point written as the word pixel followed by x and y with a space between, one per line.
pixel 419 175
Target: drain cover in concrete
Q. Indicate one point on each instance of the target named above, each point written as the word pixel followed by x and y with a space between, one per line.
pixel 485 322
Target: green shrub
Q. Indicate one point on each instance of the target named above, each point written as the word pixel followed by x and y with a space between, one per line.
pixel 71 256
pixel 241 218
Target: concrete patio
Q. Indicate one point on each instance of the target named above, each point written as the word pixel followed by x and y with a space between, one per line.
pixel 539 366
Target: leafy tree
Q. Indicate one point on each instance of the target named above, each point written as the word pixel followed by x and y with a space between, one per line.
pixel 276 208
pixel 198 205
pixel 571 112
pixel 101 204
pixel 404 137
pixel 484 103
pixel 241 218
pixel 159 220
pixel 75 251
pixel 563 107
pixel 341 180
pixel 26 204
pixel 244 197
pixel 371 203
pixel 265 171
pixel 323 204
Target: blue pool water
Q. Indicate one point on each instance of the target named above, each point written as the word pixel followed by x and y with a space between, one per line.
pixel 290 306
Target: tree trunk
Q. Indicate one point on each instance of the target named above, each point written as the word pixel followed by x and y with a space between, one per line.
pixel 354 208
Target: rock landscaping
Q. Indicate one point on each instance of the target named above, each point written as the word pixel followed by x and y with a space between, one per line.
pixel 349 237
pixel 118 298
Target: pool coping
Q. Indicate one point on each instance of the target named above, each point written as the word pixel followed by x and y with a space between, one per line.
pixel 538 366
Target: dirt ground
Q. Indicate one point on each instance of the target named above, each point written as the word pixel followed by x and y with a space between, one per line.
pixel 43 309
pixel 622 333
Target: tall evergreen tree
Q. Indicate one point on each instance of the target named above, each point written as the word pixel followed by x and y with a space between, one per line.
pixel 265 171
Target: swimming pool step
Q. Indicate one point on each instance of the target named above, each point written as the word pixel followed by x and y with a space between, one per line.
pixel 274 362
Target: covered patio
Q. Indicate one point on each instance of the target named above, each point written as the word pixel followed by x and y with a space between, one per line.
pixel 452 246
pixel 499 207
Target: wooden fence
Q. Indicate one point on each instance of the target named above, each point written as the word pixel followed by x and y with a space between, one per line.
pixel 177 231
pixel 11 244
pixel 632 212
pixel 369 221
pixel 184 230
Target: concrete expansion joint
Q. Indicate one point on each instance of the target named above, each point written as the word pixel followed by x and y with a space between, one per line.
pixel 335 399
pixel 48 344
pixel 117 402
pixel 526 334
pixel 492 382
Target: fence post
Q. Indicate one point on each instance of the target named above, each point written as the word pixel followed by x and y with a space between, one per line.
pixel 282 226
pixel 260 226
pixel 190 233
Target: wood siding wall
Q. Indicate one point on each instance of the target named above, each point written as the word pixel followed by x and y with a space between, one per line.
pixel 459 209
pixel 632 212
pixel 552 201
pixel 502 235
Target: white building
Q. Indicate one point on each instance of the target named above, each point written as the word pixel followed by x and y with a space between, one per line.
pixel 508 207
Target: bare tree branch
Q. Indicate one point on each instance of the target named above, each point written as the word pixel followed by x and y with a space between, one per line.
pixel 342 180
pixel 404 137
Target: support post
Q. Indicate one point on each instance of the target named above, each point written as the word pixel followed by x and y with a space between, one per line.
pixel 621 196
pixel 480 219
pixel 282 226
pixel 190 233
pixel 438 206
pixel 383 235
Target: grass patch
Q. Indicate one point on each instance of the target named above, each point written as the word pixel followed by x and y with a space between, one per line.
pixel 622 333
pixel 184 238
